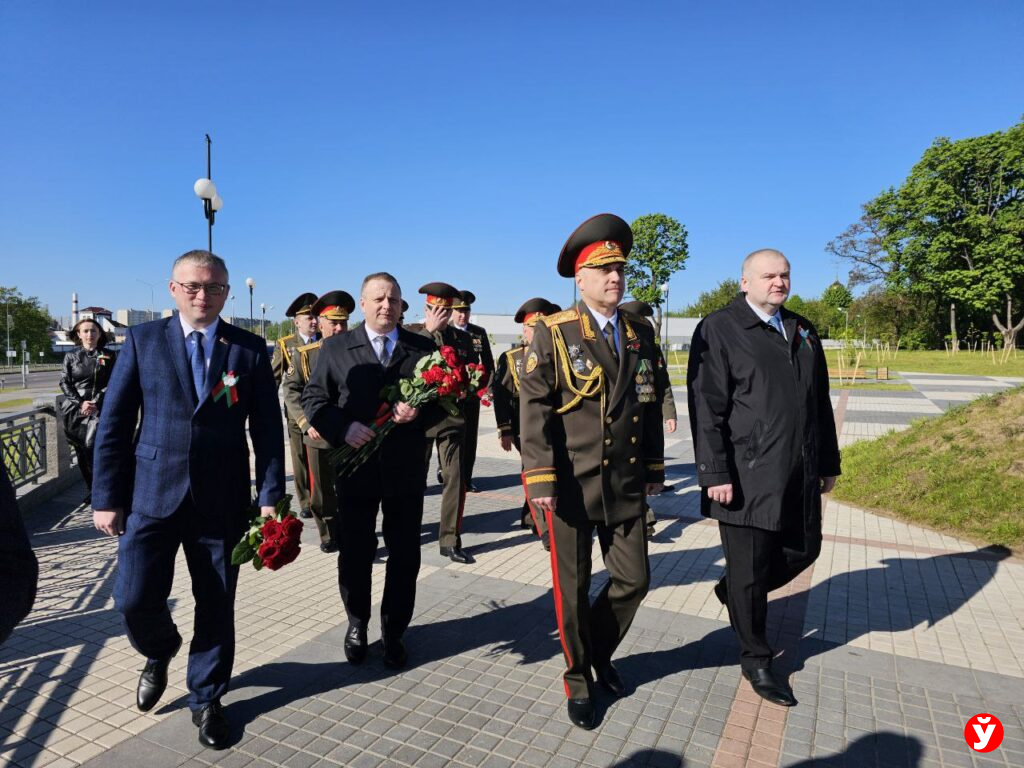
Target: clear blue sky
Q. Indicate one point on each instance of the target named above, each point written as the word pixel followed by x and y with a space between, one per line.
pixel 463 141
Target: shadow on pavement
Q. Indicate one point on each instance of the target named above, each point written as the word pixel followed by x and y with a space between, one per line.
pixel 892 750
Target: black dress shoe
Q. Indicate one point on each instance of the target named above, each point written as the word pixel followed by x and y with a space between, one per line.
pixel 608 678
pixel 305 514
pixel 471 487
pixel 440 478
pixel 395 655
pixel 581 713
pixel 457 555
pixel 545 540
pixel 355 644
pixel 153 681
pixel 666 488
pixel 328 546
pixel 721 591
pixel 214 732
pixel 769 687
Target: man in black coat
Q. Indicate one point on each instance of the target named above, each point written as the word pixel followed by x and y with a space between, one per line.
pixel 764 441
pixel 341 401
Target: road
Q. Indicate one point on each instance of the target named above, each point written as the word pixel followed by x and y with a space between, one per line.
pixel 39 383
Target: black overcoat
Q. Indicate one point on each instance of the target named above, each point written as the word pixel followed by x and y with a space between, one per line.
pixel 760 414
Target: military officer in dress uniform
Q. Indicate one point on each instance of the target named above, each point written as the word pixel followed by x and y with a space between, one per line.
pixel 668 401
pixel 482 348
pixel 590 425
pixel 449 432
pixel 505 391
pixel 301 312
pixel 332 311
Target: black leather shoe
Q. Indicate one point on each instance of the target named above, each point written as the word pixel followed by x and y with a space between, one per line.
pixel 581 713
pixel 214 732
pixel 305 514
pixel 471 487
pixel 457 555
pixel 721 591
pixel 355 645
pixel 395 655
pixel 608 678
pixel 649 532
pixel 153 681
pixel 440 478
pixel 769 687
pixel 666 488
pixel 545 540
pixel 329 546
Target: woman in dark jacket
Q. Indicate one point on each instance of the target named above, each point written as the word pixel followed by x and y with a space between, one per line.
pixel 83 380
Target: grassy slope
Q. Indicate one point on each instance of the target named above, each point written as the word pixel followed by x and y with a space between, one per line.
pixel 961 473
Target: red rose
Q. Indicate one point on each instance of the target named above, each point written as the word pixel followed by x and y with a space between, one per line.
pixel 269 552
pixel 271 529
pixel 433 376
pixel 450 356
pixel 292 527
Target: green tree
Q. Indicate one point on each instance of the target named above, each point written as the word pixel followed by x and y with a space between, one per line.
pixel 659 251
pixel 29 322
pixel 708 301
pixel 837 296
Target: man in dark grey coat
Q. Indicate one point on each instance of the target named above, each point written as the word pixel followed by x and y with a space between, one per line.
pixel 764 441
pixel 19 569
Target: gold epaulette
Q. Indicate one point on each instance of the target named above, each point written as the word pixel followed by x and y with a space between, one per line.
pixel 304 351
pixel 561 317
pixel 283 343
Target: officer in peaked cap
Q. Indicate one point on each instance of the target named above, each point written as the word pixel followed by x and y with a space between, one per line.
pixel 448 431
pixel 593 448
pixel 667 399
pixel 333 310
pixel 482 348
pixel 301 312
pixel 505 391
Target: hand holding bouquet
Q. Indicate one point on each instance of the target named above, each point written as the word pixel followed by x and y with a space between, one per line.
pixel 270 542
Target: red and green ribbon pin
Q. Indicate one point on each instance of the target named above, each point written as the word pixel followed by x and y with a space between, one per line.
pixel 227 387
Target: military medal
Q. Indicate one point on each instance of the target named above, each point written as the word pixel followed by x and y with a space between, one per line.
pixel 531 362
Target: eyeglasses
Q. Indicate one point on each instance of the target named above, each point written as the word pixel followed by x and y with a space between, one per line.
pixel 212 289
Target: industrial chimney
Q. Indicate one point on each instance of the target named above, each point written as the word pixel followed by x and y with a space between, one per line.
pixel 74 309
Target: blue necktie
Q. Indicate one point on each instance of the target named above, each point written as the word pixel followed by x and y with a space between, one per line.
pixel 198 365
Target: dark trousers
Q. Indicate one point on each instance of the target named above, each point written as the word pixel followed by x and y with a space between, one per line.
pixel 591 633
pixel 323 499
pixel 356 533
pixel 453 496
pixel 756 562
pixel 472 411
pixel 145 571
pixel 84 456
pixel 529 515
pixel 300 465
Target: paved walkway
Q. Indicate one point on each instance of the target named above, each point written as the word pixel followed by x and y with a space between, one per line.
pixel 894 638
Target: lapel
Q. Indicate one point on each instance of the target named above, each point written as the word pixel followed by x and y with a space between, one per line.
pixel 179 355
pixel 627 362
pixel 361 346
pixel 400 352
pixel 789 323
pixel 218 357
pixel 596 346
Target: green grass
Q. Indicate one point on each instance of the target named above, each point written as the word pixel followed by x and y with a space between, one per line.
pixel 932 361
pixel 961 473
pixel 15 403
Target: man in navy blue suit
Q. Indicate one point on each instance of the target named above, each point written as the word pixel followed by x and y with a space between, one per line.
pixel 183 479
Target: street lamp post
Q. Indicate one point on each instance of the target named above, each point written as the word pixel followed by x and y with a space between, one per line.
pixel 144 282
pixel 212 202
pixel 664 293
pixel 252 284
pixel 263 320
pixel 232 309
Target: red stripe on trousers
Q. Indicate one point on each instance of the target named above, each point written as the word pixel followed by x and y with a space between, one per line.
pixel 557 589
pixel 309 471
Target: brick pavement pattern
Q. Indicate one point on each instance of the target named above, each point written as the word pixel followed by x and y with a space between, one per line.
pixel 894 639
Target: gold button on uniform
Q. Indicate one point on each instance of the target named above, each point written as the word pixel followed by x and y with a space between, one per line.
pixel 608 419
pixel 607 441
pixel 632 440
pixel 635 419
pixel 632 459
pixel 605 462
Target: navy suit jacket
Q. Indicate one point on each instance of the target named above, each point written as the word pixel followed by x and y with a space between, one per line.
pixel 182 447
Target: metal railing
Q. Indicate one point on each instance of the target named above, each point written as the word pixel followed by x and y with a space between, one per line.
pixel 23 445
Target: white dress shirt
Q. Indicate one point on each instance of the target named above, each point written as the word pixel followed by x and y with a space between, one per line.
pixel 209 337
pixel 602 321
pixel 766 318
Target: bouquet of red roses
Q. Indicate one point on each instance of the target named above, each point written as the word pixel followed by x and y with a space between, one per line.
pixel 440 376
pixel 270 542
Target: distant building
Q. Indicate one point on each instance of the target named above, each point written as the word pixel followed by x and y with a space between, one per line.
pixel 130 317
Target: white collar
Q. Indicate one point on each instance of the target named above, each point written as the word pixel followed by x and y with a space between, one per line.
pixel 601 320
pixel 765 317
pixel 208 332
